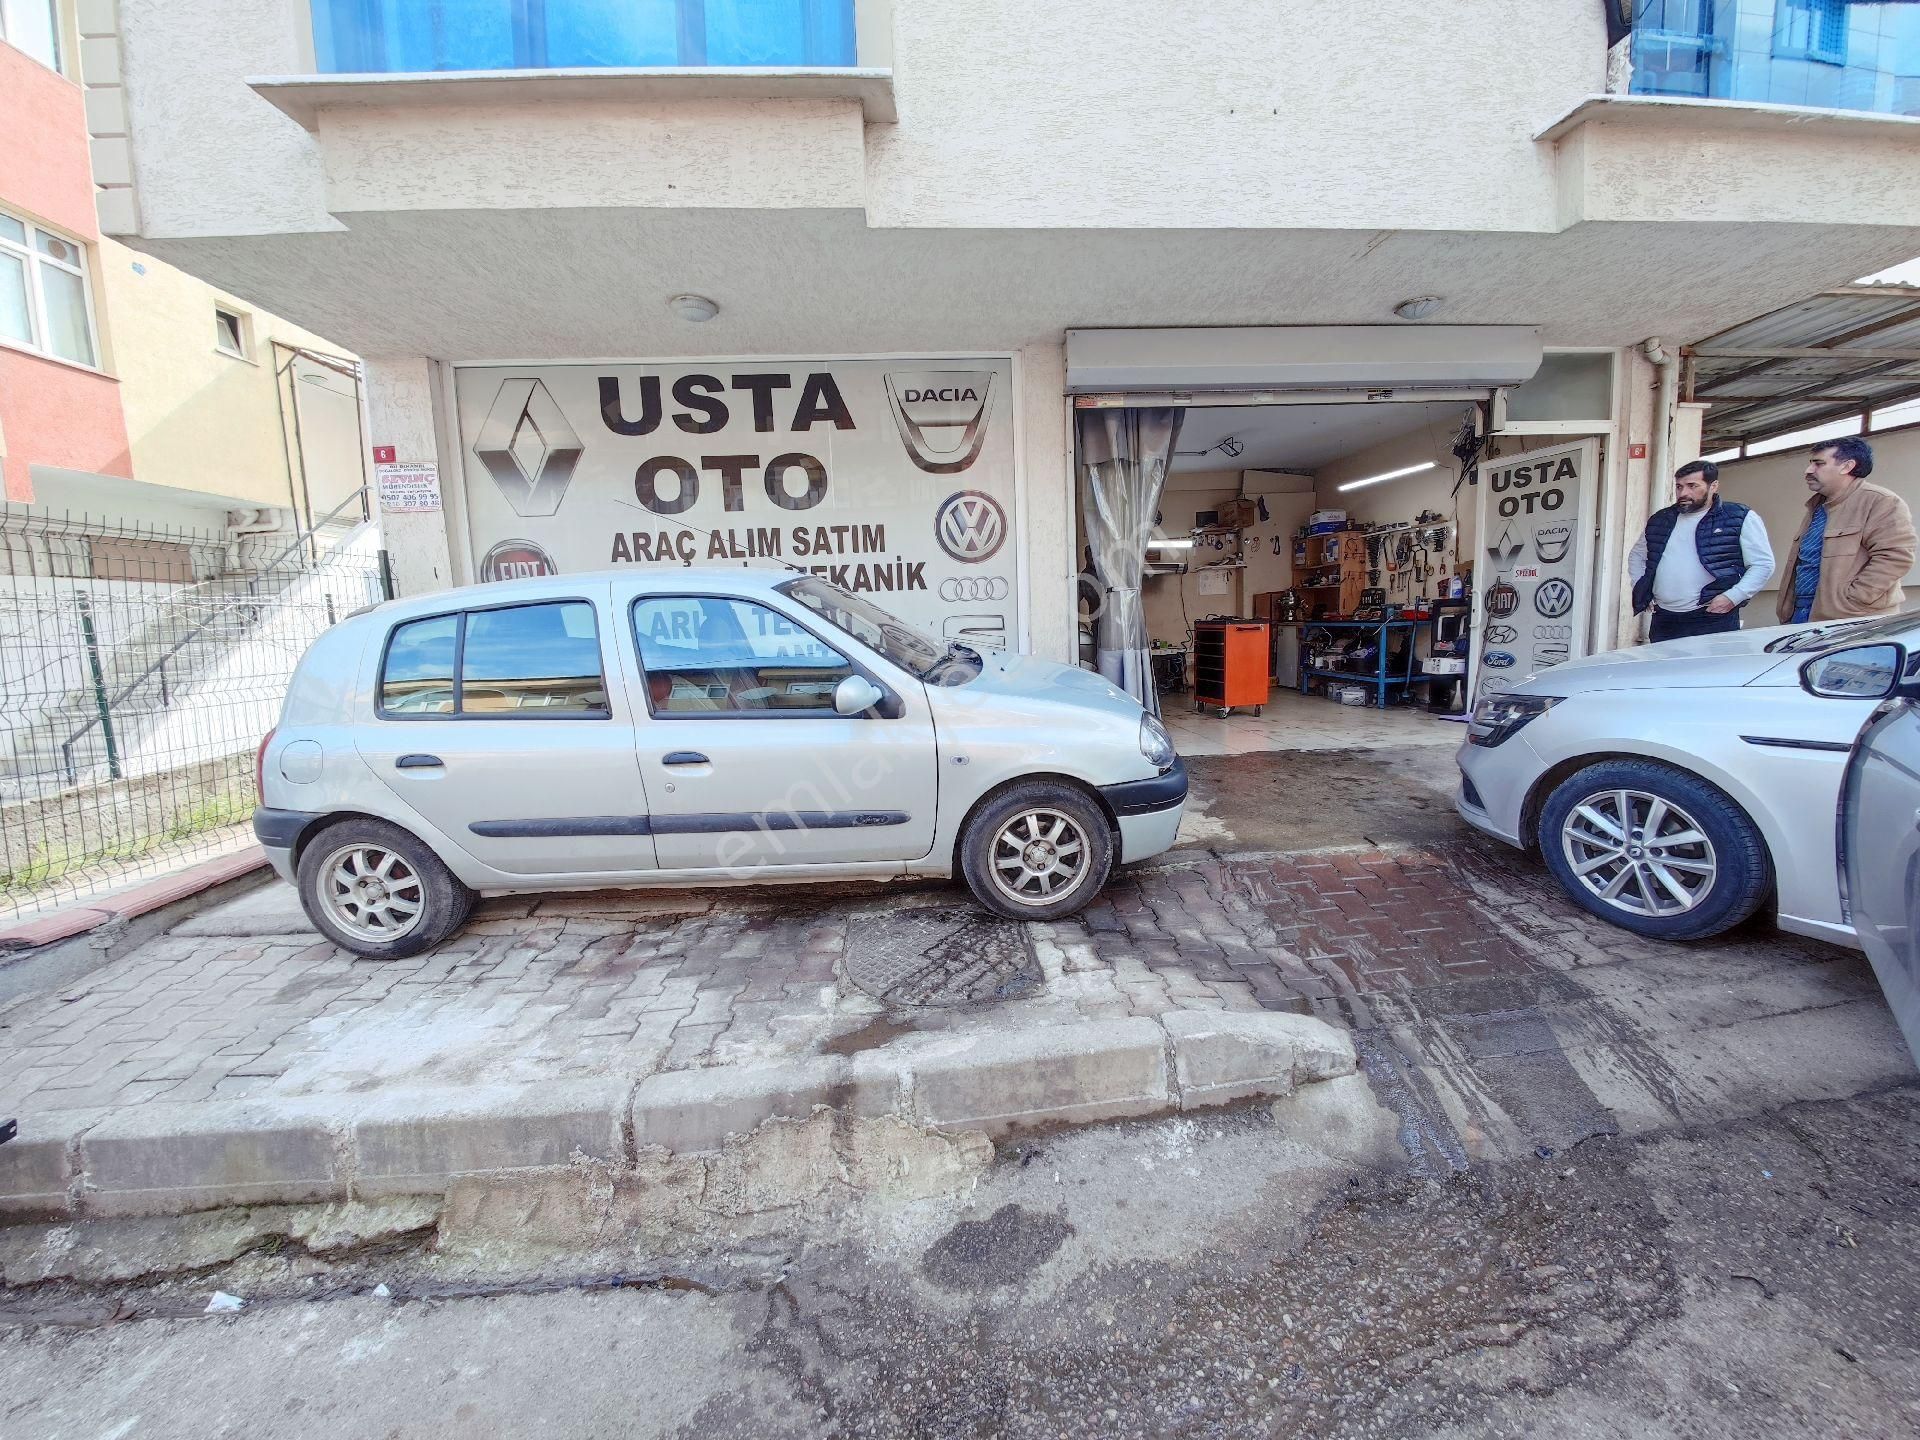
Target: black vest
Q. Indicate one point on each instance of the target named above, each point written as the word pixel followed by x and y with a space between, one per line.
pixel 1716 540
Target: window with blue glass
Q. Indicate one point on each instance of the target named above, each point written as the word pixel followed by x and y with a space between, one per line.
pixel 1827 54
pixel 394 36
pixel 1811 30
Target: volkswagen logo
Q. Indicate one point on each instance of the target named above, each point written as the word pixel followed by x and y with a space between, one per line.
pixel 970 526
pixel 1553 598
pixel 516 560
pixel 974 587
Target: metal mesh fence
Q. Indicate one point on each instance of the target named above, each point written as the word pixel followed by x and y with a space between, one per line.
pixel 140 666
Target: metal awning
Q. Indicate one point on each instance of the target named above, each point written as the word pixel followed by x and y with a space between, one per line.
pixel 1847 350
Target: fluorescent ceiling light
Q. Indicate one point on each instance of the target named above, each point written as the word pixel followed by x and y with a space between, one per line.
pixel 1170 544
pixel 1390 475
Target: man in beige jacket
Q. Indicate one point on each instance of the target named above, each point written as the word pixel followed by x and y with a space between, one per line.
pixel 1855 546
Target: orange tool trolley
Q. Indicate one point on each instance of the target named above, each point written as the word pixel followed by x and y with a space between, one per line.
pixel 1230 665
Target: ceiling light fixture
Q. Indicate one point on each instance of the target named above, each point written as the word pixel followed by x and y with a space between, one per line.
pixel 1390 475
pixel 1417 308
pixel 696 308
pixel 1157 544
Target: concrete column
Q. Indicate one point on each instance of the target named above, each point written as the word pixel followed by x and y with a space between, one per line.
pixel 1047 502
pixel 404 411
pixel 1633 484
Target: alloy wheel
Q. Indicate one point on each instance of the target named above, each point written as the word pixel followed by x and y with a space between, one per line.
pixel 371 892
pixel 1038 856
pixel 1638 852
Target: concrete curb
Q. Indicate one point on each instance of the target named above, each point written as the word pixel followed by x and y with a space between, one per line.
pixel 129 904
pixel 164 1159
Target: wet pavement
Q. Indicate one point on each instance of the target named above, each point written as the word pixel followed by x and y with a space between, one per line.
pixel 1638 1188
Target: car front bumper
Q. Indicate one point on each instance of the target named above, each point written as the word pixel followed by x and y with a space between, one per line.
pixel 1494 783
pixel 1149 812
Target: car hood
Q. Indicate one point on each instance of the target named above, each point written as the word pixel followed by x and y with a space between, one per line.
pixel 1027 677
pixel 1701 662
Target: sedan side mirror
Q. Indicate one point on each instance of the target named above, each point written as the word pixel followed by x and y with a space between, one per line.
pixel 856 695
pixel 1865 672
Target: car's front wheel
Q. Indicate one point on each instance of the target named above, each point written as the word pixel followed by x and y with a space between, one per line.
pixel 1037 851
pixel 374 889
pixel 1654 849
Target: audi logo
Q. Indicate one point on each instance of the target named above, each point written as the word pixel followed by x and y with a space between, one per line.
pixel 974 587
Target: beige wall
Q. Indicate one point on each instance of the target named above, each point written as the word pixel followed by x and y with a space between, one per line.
pixel 1775 486
pixel 200 419
pixel 1392 501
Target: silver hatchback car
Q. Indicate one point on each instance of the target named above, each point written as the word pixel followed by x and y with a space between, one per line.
pixel 689 728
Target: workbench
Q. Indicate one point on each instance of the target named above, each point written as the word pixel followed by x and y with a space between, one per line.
pixel 1379 679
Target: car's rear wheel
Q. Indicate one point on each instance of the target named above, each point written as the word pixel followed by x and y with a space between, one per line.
pixel 1037 851
pixel 1654 849
pixel 374 889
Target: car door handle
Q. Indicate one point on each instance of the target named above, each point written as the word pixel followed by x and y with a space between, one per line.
pixel 684 757
pixel 419 762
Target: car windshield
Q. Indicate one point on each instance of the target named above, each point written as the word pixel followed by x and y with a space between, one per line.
pixel 870 625
pixel 1847 632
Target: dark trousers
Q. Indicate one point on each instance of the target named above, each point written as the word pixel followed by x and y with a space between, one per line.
pixel 1668 625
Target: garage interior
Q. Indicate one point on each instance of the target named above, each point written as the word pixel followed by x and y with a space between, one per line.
pixel 1245 482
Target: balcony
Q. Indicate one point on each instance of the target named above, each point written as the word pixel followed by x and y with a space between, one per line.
pixel 1822 54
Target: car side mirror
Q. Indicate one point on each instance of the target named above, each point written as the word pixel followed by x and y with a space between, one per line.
pixel 1865 672
pixel 856 695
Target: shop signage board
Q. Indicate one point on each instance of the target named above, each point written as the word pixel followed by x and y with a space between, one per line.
pixel 1534 573
pixel 891 478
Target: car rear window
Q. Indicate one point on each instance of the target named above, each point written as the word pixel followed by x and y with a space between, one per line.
pixel 510 662
pixel 418 679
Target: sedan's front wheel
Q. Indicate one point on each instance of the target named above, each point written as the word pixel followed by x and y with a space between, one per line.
pixel 1037 851
pixel 1654 849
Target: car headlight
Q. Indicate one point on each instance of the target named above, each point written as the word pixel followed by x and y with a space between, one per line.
pixel 1498 718
pixel 1156 744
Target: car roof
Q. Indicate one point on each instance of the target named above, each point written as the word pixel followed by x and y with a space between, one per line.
pixel 743 581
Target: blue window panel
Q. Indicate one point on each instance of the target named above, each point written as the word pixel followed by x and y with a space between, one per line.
pixel 613 32
pixel 778 32
pixel 391 36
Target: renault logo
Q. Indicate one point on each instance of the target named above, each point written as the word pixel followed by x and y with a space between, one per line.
pixel 528 447
pixel 970 526
pixel 942 415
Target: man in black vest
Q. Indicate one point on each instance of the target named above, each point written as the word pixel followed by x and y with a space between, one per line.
pixel 1700 559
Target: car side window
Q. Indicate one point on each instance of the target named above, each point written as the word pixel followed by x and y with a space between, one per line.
pixel 539 661
pixel 418 676
pixel 706 655
pixel 532 660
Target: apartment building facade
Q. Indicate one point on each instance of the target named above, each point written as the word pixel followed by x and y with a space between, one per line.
pixel 132 392
pixel 828 281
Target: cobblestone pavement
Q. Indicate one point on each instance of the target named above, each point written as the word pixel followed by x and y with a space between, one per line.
pixel 244 1001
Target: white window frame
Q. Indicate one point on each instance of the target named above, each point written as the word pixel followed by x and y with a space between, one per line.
pixel 9 28
pixel 243 328
pixel 36 343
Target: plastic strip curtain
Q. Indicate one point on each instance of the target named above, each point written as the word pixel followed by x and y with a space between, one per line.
pixel 1124 455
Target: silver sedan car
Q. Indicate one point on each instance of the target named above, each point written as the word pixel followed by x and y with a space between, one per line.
pixel 1674 788
pixel 689 728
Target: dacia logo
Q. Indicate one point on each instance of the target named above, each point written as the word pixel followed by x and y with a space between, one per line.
pixel 942 416
pixel 951 397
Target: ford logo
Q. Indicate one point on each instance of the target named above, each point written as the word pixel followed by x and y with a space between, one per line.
pixel 1498 659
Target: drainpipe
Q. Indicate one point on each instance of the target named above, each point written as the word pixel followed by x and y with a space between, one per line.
pixel 1667 364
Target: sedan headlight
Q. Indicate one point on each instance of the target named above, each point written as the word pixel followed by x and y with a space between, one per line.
pixel 1156 744
pixel 1498 718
